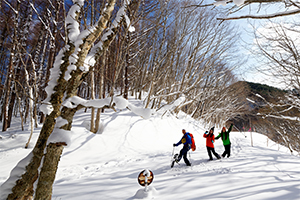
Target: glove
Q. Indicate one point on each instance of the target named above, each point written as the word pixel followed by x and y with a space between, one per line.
pixel 213 141
pixel 174 145
pixel 206 132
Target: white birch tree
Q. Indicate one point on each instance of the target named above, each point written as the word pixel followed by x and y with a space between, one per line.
pixel 71 64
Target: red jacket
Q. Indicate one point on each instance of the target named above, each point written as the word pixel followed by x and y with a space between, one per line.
pixel 210 139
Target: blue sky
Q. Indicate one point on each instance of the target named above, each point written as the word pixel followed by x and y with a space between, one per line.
pixel 249 70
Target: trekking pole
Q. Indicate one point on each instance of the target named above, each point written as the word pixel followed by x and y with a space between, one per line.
pixel 172 153
pixel 240 130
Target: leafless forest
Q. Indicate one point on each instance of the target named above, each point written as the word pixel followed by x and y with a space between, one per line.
pixel 159 51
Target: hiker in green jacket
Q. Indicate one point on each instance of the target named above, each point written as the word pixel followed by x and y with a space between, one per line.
pixel 226 141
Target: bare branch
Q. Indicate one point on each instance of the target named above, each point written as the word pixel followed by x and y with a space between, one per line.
pixel 280 14
pixel 247 3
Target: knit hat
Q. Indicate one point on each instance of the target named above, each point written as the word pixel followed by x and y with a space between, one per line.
pixel 213 128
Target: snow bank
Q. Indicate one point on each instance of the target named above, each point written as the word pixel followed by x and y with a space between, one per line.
pixel 106 166
pixel 145 194
pixel 15 174
pixel 119 102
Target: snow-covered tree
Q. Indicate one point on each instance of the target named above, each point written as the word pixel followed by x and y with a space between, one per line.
pixel 12 65
pixel 73 62
pixel 188 53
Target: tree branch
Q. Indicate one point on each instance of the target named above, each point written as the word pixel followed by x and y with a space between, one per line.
pixel 280 14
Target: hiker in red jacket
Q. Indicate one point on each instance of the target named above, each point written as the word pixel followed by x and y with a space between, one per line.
pixel 210 139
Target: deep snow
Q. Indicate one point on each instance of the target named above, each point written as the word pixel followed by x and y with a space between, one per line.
pixel 106 166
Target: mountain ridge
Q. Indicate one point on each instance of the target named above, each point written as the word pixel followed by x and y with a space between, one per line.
pixel 267 110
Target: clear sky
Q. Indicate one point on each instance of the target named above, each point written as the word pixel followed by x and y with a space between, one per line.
pixel 249 71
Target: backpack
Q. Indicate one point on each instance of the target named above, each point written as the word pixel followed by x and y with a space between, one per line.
pixel 193 147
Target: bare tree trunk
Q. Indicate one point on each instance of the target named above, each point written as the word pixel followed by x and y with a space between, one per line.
pixel 68 113
pixel 20 110
pixel 52 52
pixel 93 129
pixel 24 186
pixel 10 71
pixel 101 89
pixel 11 106
pixel 26 110
pixel 7 94
pixel 127 64
pixel 48 171
pixel 126 83
pixel 64 89
pixel 30 115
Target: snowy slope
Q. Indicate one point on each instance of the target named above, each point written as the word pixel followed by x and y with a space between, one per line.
pixel 106 166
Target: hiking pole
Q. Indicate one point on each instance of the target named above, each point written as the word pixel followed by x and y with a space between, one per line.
pixel 172 154
pixel 239 130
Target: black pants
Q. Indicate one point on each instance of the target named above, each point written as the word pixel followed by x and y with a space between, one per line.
pixel 227 150
pixel 183 153
pixel 212 150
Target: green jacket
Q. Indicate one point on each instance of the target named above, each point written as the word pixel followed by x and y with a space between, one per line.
pixel 225 136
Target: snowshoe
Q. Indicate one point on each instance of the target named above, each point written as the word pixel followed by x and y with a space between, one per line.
pixel 175 157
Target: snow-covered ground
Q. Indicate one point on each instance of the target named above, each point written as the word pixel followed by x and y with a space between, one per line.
pixel 106 166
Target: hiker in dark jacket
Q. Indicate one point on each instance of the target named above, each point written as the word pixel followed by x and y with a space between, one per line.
pixel 187 142
pixel 226 141
pixel 210 139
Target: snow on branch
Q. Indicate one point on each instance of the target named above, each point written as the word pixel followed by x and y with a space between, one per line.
pixel 109 35
pixel 47 27
pixel 80 43
pixel 73 33
pixel 118 102
pixel 15 174
pixel 60 136
pixel 72 56
pixel 74 101
pixel 250 100
pixel 173 105
pixel 12 8
pixel 279 117
pixel 71 20
pixel 84 41
pixel 47 107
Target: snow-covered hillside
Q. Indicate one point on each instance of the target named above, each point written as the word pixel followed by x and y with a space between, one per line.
pixel 105 166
